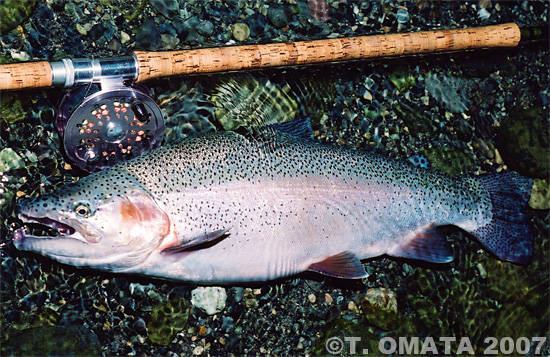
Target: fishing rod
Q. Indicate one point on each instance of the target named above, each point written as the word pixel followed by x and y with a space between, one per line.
pixel 111 117
pixel 143 65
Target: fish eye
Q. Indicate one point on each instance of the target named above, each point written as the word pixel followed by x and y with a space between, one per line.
pixel 82 209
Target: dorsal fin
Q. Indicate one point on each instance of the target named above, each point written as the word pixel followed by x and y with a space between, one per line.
pixel 273 137
pixel 299 128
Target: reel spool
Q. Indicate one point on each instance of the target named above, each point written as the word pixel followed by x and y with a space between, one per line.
pixel 102 124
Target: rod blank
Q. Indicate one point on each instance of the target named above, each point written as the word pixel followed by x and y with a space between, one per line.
pixel 208 60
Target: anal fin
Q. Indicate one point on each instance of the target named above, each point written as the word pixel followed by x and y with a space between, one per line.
pixel 342 265
pixel 429 244
pixel 201 242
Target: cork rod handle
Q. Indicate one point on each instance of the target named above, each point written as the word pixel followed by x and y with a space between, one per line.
pixel 25 75
pixel 207 60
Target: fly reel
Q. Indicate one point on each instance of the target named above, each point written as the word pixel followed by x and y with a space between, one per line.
pixel 107 122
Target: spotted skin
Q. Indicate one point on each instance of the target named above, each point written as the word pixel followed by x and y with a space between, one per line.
pixel 285 205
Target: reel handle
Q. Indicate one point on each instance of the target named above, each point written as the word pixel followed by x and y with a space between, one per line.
pixel 150 65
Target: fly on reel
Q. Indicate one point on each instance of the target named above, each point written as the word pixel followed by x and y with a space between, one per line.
pixel 107 122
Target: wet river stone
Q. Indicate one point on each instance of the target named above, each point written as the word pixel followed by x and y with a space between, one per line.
pixel 51 341
pixel 15 12
pixel 380 308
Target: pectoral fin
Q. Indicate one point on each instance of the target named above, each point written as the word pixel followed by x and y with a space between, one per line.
pixel 342 265
pixel 201 242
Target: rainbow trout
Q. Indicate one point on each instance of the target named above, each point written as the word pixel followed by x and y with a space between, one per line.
pixel 227 207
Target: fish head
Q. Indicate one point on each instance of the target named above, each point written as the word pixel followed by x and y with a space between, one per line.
pixel 104 226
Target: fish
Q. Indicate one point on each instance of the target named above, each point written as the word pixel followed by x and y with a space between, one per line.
pixel 230 207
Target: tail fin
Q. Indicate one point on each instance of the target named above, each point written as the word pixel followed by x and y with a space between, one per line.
pixel 508 235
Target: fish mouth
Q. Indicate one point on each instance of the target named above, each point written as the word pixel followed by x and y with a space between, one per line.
pixel 44 228
pixel 52 238
pixel 48 226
